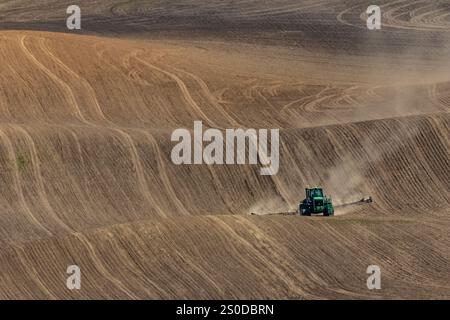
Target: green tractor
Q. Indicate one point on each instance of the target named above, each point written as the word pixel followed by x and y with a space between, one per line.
pixel 316 203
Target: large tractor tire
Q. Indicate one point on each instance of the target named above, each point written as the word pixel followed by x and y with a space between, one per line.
pixel 328 211
pixel 304 212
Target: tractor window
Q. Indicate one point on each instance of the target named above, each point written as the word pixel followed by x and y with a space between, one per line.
pixel 317 193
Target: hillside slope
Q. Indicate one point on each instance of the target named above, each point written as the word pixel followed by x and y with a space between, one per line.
pixel 86 176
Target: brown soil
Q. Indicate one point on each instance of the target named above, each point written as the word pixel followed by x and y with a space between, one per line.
pixel 86 176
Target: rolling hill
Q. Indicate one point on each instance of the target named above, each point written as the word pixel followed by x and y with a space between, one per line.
pixel 86 175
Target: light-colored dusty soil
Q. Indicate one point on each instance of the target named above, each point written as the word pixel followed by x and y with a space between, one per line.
pixel 86 176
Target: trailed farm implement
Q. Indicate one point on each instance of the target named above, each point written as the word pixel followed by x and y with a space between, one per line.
pixel 316 203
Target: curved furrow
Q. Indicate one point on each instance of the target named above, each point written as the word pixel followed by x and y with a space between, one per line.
pixel 64 86
pixel 18 185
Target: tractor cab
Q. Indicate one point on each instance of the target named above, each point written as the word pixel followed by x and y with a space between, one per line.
pixel 314 193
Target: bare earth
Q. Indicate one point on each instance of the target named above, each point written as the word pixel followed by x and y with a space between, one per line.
pixel 86 176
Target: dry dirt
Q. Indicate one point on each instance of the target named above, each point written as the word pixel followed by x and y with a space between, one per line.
pixel 85 170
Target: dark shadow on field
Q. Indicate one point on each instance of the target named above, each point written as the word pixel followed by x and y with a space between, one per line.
pixel 307 31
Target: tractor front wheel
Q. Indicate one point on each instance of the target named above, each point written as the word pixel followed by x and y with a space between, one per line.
pixel 305 212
